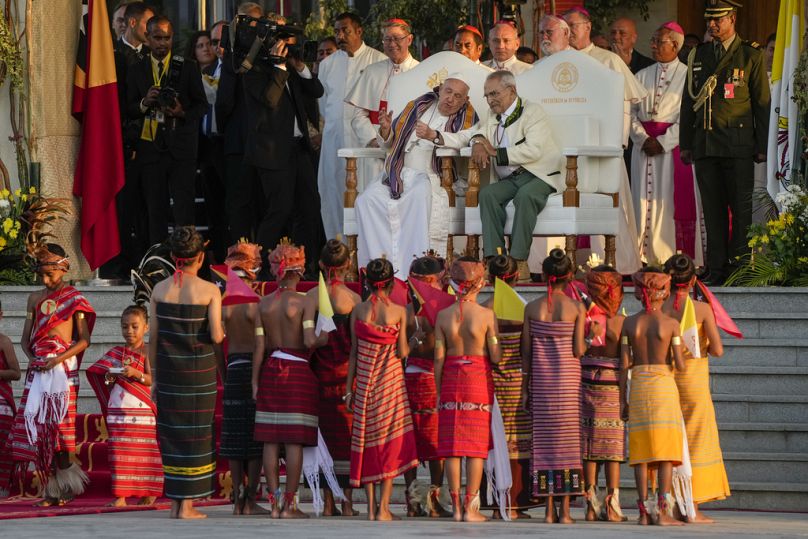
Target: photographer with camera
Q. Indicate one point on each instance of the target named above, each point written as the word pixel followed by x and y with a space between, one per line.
pixel 279 90
pixel 165 95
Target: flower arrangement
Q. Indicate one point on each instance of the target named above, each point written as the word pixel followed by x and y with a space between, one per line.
pixel 779 247
pixel 26 218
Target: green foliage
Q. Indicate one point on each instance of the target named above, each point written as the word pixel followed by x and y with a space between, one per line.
pixel 320 23
pixel 779 247
pixel 433 21
pixel 603 12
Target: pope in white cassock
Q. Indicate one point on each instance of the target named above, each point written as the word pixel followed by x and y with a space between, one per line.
pixel 338 74
pixel 663 188
pixel 405 212
pixel 368 95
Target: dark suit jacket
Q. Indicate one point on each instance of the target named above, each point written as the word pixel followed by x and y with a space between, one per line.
pixel 125 57
pixel 271 113
pixel 182 141
pixel 231 109
pixel 740 124
pixel 639 61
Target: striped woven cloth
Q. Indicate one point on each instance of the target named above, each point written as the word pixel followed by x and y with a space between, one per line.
pixel 655 432
pixel 555 387
pixel 464 413
pixel 603 432
pixel 238 411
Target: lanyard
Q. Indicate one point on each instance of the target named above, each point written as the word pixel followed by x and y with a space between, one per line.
pixel 512 117
pixel 158 77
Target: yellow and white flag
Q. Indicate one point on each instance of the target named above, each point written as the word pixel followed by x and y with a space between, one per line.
pixel 325 315
pixel 690 329
pixel 508 304
pixel 783 123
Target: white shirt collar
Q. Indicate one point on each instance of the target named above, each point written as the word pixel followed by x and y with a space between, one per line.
pixel 138 48
pixel 508 111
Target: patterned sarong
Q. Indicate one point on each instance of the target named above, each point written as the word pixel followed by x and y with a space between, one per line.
pixel 655 432
pixel 555 397
pixel 382 439
pixel 518 426
pixel 186 400
pixel 330 366
pixel 238 411
pixel 134 457
pixel 709 476
pixel 286 405
pixel 7 412
pixel 464 412
pixel 603 432
pixel 54 310
pixel 423 397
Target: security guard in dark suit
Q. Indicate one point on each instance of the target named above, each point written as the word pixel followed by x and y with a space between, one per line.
pixel 723 130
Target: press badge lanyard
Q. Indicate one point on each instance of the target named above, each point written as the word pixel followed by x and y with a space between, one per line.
pixel 158 77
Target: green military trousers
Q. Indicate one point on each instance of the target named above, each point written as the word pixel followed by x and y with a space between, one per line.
pixel 529 195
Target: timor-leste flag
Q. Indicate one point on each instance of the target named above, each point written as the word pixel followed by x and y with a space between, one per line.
pixel 234 290
pixel 99 169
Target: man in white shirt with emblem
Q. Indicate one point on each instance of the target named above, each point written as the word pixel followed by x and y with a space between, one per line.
pixel 503 40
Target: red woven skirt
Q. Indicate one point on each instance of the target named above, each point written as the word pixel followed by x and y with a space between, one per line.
pixel 464 415
pixel 286 407
pixel 134 458
pixel 423 398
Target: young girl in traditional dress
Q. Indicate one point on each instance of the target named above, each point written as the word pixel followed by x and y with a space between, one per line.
pixel 186 323
pixel 603 432
pixel 330 366
pixel 709 476
pixel 552 343
pixel 382 439
pixel 650 347
pixel 122 382
pixel 238 444
pixel 508 389
pixel 466 346
pixel 9 371
pixel 422 393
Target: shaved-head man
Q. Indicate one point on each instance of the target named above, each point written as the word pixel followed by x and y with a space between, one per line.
pixel 622 39
pixel 503 40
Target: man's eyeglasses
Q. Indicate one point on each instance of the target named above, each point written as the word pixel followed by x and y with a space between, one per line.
pixel 548 33
pixel 394 39
pixel 655 41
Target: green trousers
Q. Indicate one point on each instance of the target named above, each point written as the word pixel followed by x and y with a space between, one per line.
pixel 529 195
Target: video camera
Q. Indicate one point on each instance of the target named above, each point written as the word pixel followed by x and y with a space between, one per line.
pixel 250 40
pixel 168 91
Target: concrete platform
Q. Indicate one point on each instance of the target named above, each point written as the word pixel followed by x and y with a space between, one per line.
pixel 220 524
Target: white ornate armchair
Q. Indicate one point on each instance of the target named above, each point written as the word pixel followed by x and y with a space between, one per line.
pixel 404 88
pixel 584 101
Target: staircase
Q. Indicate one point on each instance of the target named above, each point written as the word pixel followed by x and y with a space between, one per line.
pixel 760 386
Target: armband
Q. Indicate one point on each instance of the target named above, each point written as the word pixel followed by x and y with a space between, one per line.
pixel 29 315
pixel 259 332
pixel 80 316
pixel 308 324
pixel 493 340
pixel 624 339
pixel 676 341
pixel 439 343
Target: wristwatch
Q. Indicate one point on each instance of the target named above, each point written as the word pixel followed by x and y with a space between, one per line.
pixel 475 140
pixel 436 140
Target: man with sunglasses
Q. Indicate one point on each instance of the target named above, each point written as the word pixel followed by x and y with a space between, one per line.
pixel 724 130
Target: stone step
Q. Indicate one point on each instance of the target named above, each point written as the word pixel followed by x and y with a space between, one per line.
pixel 764 352
pixel 759 380
pixel 106 323
pixel 763 437
pixel 775 408
pixel 102 298
pixel 764 466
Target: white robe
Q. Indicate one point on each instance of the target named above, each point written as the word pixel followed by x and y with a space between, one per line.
pixel 653 186
pixel 338 73
pixel 416 222
pixel 368 91
pixel 512 64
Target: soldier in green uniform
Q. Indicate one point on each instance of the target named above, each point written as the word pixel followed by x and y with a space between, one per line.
pixel 723 130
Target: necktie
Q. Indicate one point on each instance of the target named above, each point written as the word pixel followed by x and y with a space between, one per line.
pixel 159 72
pixel 719 50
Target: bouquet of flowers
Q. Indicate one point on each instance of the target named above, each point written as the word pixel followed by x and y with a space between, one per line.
pixel 779 247
pixel 26 218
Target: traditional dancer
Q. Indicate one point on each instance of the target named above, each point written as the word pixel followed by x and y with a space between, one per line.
pixel 650 345
pixel 58 324
pixel 693 382
pixel 508 389
pixel 603 432
pixel 285 388
pixel 9 371
pixel 330 366
pixel 552 342
pixel 186 314
pixel 423 396
pixel 382 439
pixel 238 422
pixel 466 346
pixel 122 381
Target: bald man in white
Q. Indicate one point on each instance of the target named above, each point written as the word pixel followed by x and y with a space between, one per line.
pixel 503 41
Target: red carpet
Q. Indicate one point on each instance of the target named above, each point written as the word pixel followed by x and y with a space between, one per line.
pixel 85 505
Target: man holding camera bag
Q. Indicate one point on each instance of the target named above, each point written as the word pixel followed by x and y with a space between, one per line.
pixel 165 95
pixel 279 89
